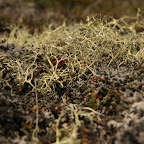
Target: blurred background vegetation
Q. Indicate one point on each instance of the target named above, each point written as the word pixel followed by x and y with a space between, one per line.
pixel 39 12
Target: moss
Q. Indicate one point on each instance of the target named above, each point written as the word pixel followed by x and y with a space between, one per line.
pixel 94 104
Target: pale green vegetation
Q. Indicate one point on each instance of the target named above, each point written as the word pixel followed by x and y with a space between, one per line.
pixel 59 55
pixel 67 52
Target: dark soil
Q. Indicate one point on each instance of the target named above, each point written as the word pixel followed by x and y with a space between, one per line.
pixel 123 120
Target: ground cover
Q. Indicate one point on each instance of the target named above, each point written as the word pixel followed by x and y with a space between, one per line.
pixel 76 83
